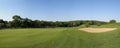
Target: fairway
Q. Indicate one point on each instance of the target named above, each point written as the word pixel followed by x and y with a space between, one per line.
pixel 57 38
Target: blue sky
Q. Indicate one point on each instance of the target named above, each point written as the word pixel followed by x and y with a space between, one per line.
pixel 61 10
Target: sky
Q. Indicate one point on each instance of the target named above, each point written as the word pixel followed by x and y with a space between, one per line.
pixel 61 10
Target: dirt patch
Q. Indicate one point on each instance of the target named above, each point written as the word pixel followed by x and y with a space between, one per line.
pixel 97 30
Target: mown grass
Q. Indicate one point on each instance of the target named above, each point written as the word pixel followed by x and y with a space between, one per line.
pixel 58 38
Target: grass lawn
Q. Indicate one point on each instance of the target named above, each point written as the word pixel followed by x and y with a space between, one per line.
pixel 58 38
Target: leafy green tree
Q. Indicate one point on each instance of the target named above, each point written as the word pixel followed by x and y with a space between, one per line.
pixel 2 25
pixel 16 17
pixel 112 21
pixel 26 23
pixel 87 25
pixel 16 21
pixel 19 22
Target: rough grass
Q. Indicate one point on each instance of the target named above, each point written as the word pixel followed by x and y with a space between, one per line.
pixel 58 38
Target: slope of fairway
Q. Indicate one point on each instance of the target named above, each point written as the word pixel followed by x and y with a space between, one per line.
pixel 58 38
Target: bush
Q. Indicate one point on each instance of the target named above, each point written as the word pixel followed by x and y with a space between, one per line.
pixel 112 21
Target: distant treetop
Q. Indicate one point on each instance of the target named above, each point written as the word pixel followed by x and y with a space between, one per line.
pixel 112 21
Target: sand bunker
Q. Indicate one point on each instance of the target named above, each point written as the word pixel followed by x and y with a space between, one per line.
pixel 97 30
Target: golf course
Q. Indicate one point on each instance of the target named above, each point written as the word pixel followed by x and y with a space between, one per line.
pixel 59 23
pixel 70 37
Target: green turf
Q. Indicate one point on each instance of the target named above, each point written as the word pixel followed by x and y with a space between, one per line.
pixel 58 38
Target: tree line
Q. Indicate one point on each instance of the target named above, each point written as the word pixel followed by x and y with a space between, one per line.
pixel 19 22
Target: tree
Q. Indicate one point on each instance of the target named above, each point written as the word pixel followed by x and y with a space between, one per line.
pixel 87 25
pixel 26 23
pixel 2 24
pixel 16 17
pixel 19 22
pixel 112 21
pixel 16 21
